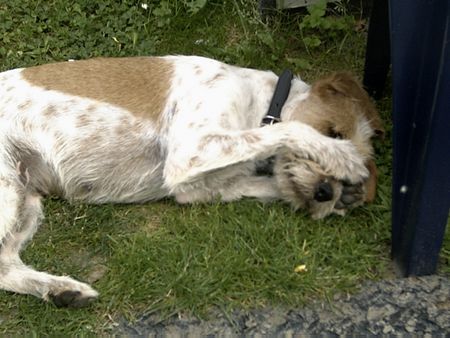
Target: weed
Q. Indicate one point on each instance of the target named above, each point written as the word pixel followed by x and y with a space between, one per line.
pixel 316 24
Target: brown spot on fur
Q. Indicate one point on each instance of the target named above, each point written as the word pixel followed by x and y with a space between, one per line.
pixel 82 120
pixel 214 79
pixel 24 105
pixel 95 138
pixel 138 84
pixel 193 161
pixel 49 111
pixel 121 130
pixel 60 137
pixel 208 139
pixel 227 149
pixel 270 83
pixel 27 124
pixel 34 171
pixel 251 138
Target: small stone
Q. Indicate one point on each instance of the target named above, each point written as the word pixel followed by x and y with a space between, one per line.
pixel 405 298
pixel 409 329
pixel 387 329
pixel 289 333
pixel 250 323
pixel 411 322
pixel 276 319
pixel 376 313
pixel 432 311
pixel 173 331
pixel 443 320
pixel 429 283
pixel 410 325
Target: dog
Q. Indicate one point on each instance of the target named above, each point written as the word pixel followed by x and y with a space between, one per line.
pixel 138 129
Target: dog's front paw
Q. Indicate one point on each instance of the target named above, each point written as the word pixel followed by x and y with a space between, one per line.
pixel 346 164
pixel 352 196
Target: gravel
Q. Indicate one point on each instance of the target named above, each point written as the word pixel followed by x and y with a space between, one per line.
pixel 417 306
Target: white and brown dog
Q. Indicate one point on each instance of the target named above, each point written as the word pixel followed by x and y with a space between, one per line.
pixel 127 130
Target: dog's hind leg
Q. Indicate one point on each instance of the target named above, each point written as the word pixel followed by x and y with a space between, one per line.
pixel 19 218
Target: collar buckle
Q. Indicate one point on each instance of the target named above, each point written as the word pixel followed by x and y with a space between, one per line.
pixel 268 120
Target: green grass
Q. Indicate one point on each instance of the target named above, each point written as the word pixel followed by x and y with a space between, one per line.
pixel 170 258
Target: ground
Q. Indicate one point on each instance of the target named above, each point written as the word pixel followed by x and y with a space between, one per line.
pixel 163 259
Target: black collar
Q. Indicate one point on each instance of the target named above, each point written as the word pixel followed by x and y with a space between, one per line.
pixel 279 98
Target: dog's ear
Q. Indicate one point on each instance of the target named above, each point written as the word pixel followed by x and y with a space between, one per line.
pixel 344 85
pixel 337 84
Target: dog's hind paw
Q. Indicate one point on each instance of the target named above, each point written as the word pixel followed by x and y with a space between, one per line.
pixel 70 298
pixel 67 292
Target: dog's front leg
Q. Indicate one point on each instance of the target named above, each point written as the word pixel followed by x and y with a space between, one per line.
pixel 191 157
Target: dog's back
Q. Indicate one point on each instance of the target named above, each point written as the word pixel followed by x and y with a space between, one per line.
pixel 77 147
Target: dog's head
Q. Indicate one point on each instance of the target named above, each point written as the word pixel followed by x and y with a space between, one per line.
pixel 337 106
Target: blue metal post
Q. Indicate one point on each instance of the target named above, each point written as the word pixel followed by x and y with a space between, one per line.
pixel 421 120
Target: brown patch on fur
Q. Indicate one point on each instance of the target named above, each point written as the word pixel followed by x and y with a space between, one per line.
pixel 371 183
pixel 138 84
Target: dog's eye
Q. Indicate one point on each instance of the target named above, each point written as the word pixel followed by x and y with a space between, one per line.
pixel 334 134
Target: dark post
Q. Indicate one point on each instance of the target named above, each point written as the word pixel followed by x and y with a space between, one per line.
pixel 421 119
pixel 378 52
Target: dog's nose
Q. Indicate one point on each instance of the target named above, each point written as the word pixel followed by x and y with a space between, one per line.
pixel 324 192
